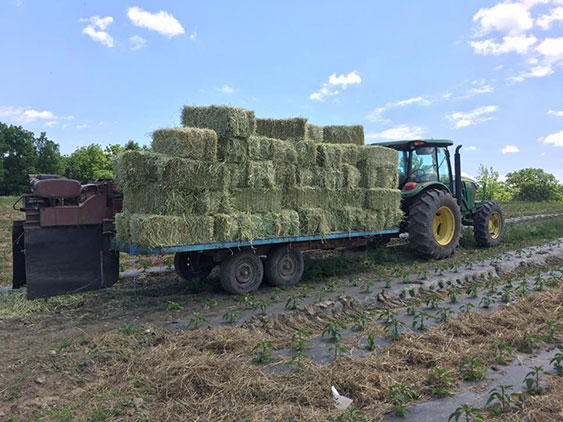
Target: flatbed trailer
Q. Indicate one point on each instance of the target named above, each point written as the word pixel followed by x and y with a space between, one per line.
pixel 245 264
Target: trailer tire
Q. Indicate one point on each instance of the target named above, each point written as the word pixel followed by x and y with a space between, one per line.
pixel 284 266
pixel 241 273
pixel 190 266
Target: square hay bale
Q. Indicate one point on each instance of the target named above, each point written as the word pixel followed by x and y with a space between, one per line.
pixel 348 198
pixel 314 133
pixel 237 175
pixel 306 153
pixel 233 150
pixel 285 175
pixel 153 199
pixel 226 121
pixel 209 202
pixel 194 143
pixel 133 169
pixel 286 223
pixel 122 222
pixel 332 179
pixel 372 156
pixel 344 134
pixel 307 197
pixel 288 129
pixel 165 230
pixel 259 148
pixel 349 154
pixel 383 199
pixel 260 174
pixel 379 177
pixel 257 200
pixel 329 155
pixel 314 221
pixel 305 176
pixel 352 176
pixel 181 173
pixel 241 226
pixel 283 152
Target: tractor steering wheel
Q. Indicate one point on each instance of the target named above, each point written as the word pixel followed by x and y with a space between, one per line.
pixel 415 172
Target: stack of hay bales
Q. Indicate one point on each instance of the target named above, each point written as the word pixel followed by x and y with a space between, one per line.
pixel 227 176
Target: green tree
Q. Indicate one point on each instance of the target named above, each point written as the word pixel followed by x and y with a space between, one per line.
pixel 88 163
pixel 489 179
pixel 49 160
pixel 531 184
pixel 19 158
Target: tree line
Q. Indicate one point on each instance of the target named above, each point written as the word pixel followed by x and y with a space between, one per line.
pixel 22 153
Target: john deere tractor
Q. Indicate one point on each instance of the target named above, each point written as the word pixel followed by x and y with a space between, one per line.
pixel 437 200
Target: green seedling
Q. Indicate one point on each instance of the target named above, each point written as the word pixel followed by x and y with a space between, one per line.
pixel 352 415
pixel 248 300
pixel 399 395
pixel 445 313
pixel 467 412
pixel 472 369
pixel 360 321
pixel 231 316
pixel 332 328
pixel 337 348
pixel 196 321
pixel 211 303
pixel 405 277
pixel 145 265
pixel 472 290
pixel 419 318
pixel 501 399
pixel 122 267
pixel 387 283
pixel 486 301
pixel 469 266
pixel 433 300
pixel 423 274
pixel 411 309
pixel 539 284
pixel 263 350
pixel 403 294
pixel 466 307
pixel 168 262
pixel 299 341
pixel 440 382
pixel 557 363
pixel 371 346
pixel 506 296
pixel 321 295
pixel 502 351
pixel 368 284
pixel 293 302
pixel 412 292
pixel 385 315
pixel 528 343
pixel 522 289
pixel 262 306
pixel 392 327
pixel 453 295
pixel 275 296
pixel 173 306
pixel 441 284
pixel 532 380
pixel 549 330
pixel 354 280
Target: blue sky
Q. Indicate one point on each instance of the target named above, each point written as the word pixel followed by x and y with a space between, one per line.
pixel 486 74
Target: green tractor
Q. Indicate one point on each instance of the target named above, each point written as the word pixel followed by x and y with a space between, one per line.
pixel 437 200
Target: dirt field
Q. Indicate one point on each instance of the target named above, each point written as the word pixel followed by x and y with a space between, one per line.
pixel 373 324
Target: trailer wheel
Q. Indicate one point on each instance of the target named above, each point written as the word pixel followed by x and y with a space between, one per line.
pixel 242 273
pixel 190 266
pixel 284 266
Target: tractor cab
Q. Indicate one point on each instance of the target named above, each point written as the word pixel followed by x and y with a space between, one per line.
pixel 437 200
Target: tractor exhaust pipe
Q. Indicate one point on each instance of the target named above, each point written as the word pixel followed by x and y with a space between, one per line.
pixel 457 164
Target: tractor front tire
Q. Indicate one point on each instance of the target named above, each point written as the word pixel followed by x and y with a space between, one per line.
pixel 434 224
pixel 488 224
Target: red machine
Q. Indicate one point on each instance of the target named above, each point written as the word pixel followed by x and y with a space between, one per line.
pixel 64 243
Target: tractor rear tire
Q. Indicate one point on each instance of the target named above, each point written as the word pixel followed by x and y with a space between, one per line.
pixel 192 265
pixel 434 224
pixel 488 224
pixel 241 273
pixel 284 266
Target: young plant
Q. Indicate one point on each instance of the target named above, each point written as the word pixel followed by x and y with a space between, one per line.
pixel 549 330
pixel 332 328
pixel 231 316
pixel 247 300
pixel 173 306
pixel 145 265
pixel 453 295
pixel 522 289
pixel 399 395
pixel 419 318
pixel 371 346
pixel 444 313
pixel 466 307
pixel 210 303
pixel 440 382
pixel 387 283
pixel 299 345
pixel 196 321
pixel 352 415
pixel 361 320
pixel 262 306
pixel 392 327
pixel 539 283
pixel 368 284
pixel 486 301
pixel 168 262
pixel 432 301
pixel 532 380
pixel 276 291
pixel 337 347
pixel 528 343
pixel 263 350
pixel 354 280
pixel 411 309
pixel 472 290
pixel 506 296
pixel 321 295
pixel 293 302
pixel 468 412
pixel 472 369
pixel 501 398
pixel 502 351
pixel 557 363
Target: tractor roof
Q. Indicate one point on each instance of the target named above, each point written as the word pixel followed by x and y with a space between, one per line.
pixel 408 144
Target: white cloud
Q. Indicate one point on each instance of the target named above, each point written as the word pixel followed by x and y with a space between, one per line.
pixel 375 115
pixel 551 49
pixel 193 35
pixel 555 113
pixel 510 149
pixel 554 15
pixel 137 43
pixel 510 44
pixel 83 126
pixel 471 148
pixel 96 29
pixel 499 67
pixel 27 115
pixel 534 72
pixel 227 89
pixel 162 22
pixel 330 88
pixel 397 133
pixel 507 17
pixel 555 139
pixel 469 118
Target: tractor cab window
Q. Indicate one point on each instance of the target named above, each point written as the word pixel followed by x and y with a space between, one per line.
pixel 443 167
pixel 423 165
pixel 403 167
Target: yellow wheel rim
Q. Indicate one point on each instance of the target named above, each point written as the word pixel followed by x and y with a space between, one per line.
pixel 444 226
pixel 495 225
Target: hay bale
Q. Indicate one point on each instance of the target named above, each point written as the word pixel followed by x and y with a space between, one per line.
pixel 285 175
pixel 313 133
pixel 233 150
pixel 133 169
pixel 375 156
pixel 344 135
pixel 306 153
pixel 260 174
pixel 313 221
pixel 181 173
pixel 283 152
pixel 288 129
pixel 165 230
pixel 257 200
pixel 226 121
pixel 329 155
pixel 122 222
pixel 194 143
pixel 307 197
pixel 286 223
pixel 352 176
pixel 383 199
pixel 237 175
pixel 349 154
pixel 379 177
pixel 259 148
